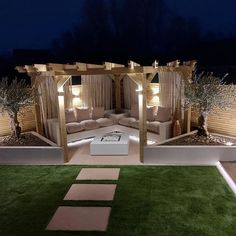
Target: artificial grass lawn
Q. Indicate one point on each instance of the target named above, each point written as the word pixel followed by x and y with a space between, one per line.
pixel 149 201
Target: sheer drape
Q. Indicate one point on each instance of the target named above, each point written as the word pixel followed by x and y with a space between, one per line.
pixel 97 91
pixel 130 95
pixel 68 96
pixel 170 90
pixel 48 100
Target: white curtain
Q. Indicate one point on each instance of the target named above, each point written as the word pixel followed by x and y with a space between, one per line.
pixel 130 95
pixel 48 100
pixel 97 91
pixel 170 90
pixel 68 96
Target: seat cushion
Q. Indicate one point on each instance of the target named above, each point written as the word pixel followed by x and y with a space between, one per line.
pixel 135 124
pixel 103 122
pixel 90 124
pixel 74 127
pixel 126 121
pixel 154 127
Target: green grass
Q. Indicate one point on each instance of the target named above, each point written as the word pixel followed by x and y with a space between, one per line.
pixel 149 201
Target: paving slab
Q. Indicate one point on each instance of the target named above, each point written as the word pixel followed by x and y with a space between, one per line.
pixel 91 192
pixel 80 219
pixel 99 174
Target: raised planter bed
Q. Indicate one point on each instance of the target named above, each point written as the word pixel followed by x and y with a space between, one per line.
pixel 51 154
pixel 187 154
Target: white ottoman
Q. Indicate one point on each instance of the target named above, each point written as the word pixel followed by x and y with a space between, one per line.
pixel 116 144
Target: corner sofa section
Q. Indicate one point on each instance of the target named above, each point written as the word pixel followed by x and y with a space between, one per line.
pixel 83 124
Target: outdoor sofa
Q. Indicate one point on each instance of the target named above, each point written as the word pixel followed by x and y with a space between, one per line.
pixel 83 124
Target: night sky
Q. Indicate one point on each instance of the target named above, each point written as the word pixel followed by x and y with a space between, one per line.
pixel 34 24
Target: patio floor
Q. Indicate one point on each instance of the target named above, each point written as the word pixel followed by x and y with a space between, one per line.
pixel 79 153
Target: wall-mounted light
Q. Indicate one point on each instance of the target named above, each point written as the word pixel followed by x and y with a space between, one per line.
pixel 139 91
pixel 155 91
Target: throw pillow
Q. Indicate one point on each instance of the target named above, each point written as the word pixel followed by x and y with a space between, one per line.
pixel 163 114
pixel 98 112
pixel 151 112
pixel 82 114
pixel 70 115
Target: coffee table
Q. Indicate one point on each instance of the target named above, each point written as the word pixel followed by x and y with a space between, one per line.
pixel 111 144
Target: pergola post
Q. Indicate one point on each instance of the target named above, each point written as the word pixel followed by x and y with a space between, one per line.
pixel 187 119
pixel 142 98
pixel 38 120
pixel 117 93
pixel 61 116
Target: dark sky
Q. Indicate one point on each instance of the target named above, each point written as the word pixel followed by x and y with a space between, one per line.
pixel 33 24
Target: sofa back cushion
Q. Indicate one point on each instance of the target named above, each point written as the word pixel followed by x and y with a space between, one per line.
pixel 82 114
pixel 163 114
pixel 134 112
pixel 98 112
pixel 70 115
pixel 151 113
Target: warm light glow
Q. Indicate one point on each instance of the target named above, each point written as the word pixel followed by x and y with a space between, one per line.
pixel 229 144
pixel 155 101
pixel 139 90
pixel 76 102
pixel 76 93
pixel 155 91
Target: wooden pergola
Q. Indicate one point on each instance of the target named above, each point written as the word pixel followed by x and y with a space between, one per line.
pixel 141 75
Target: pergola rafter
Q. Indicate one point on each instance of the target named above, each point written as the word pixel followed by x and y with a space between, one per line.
pixel 141 75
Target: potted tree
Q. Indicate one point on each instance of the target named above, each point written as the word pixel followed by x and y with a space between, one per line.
pixel 207 93
pixel 14 96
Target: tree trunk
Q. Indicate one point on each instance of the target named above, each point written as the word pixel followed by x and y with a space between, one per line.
pixel 14 124
pixel 202 124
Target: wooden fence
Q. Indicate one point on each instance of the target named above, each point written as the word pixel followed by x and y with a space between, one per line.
pixel 222 122
pixel 26 119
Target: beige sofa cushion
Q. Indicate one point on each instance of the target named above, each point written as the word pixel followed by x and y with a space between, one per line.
pixel 74 127
pixel 135 124
pixel 163 114
pixel 103 122
pixel 89 124
pixel 98 112
pixel 154 127
pixel 82 114
pixel 70 115
pixel 126 121
pixel 151 113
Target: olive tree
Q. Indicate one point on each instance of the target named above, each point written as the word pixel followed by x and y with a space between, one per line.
pixel 14 96
pixel 207 93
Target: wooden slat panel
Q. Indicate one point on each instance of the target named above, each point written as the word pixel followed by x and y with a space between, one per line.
pixel 27 122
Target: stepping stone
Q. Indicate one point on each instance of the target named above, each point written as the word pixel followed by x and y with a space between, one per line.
pixel 80 219
pixel 94 192
pixel 98 174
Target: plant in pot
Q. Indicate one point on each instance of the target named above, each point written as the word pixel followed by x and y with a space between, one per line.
pixel 14 96
pixel 207 93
